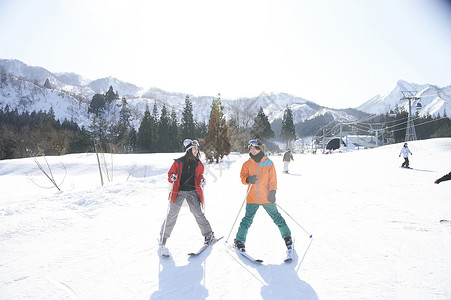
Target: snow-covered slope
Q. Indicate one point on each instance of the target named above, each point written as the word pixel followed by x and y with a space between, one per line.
pixel 434 100
pixel 375 226
pixel 27 96
pixel 72 79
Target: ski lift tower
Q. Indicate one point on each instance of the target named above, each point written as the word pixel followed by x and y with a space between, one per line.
pixel 378 132
pixel 410 130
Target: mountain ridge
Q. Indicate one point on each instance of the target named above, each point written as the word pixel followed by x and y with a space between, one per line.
pixel 22 86
pixel 433 99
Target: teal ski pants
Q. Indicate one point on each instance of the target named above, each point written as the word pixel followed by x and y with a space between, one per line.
pixel 251 210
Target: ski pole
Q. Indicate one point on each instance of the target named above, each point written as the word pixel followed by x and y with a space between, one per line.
pixel 167 213
pixel 248 190
pixel 294 220
pixel 203 195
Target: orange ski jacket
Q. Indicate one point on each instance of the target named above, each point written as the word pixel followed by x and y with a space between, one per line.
pixel 266 179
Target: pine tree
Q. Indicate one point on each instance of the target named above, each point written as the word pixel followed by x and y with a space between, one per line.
pixel 125 114
pixel 133 136
pixel 121 130
pixel 51 114
pixel 99 127
pixel 144 141
pixel 97 105
pixel 187 126
pixel 262 128
pixel 174 132
pixel 47 84
pixel 217 142
pixel 99 131
pixel 288 132
pixel 164 141
pixel 110 95
pixel 155 124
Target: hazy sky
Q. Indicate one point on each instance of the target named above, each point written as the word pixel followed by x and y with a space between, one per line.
pixel 337 53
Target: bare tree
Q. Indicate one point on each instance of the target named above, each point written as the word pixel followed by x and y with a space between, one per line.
pixel 49 174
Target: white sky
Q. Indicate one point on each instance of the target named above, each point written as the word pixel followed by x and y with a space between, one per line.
pixel 337 53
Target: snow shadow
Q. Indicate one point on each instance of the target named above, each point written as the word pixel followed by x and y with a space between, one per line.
pixel 292 174
pixel 283 282
pixel 182 282
pixel 280 281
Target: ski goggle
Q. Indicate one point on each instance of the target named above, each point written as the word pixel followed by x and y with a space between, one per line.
pixel 253 143
pixel 194 143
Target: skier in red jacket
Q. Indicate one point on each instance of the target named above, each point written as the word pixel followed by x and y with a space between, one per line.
pixel 186 174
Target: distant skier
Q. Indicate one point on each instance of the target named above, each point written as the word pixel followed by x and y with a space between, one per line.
pixel 287 157
pixel 405 153
pixel 443 178
pixel 187 175
pixel 262 192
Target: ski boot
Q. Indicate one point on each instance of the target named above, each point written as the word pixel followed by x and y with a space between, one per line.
pixel 209 238
pixel 239 245
pixel 288 242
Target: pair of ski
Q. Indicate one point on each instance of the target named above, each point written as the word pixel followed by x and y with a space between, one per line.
pixel 287 259
pixel 164 252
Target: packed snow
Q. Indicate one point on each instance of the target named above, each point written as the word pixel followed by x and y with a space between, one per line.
pixel 375 227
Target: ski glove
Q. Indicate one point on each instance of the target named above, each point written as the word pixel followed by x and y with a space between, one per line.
pixel 272 196
pixel 203 182
pixel 174 177
pixel 251 179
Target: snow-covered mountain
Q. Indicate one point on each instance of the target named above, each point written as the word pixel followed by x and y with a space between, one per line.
pixel 433 99
pixel 22 86
pixel 67 82
pixel 69 94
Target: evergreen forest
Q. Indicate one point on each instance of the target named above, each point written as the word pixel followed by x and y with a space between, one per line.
pixel 27 134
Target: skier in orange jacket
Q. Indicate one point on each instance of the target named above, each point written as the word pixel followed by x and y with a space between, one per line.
pixel 259 172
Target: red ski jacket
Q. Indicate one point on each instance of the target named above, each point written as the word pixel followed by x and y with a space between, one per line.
pixel 176 168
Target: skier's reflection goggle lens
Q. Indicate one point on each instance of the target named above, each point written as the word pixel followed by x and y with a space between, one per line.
pixel 254 144
pixel 195 143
